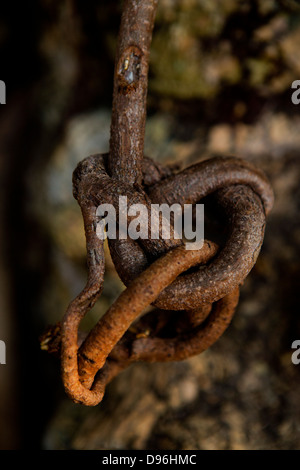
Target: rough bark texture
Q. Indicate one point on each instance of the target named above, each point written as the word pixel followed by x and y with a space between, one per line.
pixel 130 91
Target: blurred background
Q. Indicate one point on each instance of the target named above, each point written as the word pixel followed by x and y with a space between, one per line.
pixel 220 83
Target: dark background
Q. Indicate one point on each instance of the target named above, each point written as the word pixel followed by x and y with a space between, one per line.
pixel 220 82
